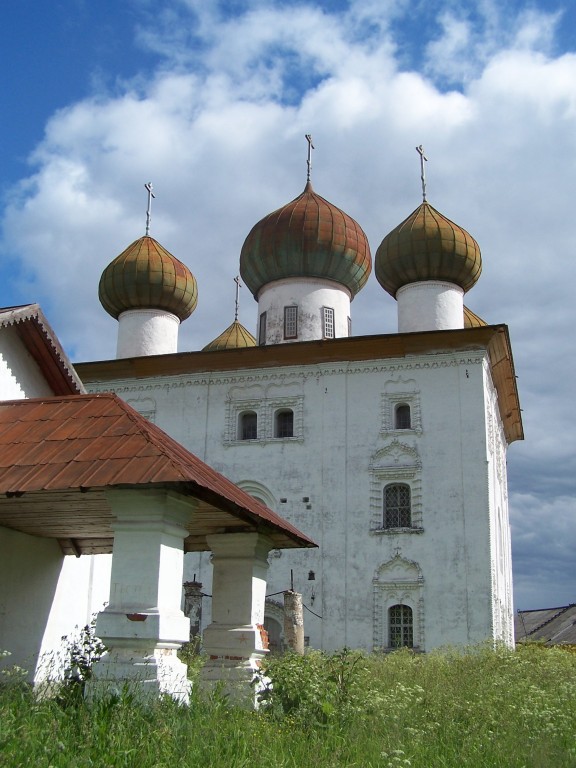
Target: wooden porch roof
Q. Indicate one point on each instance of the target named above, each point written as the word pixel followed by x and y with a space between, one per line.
pixel 59 455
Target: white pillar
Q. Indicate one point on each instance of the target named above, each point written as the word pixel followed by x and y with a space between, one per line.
pixel 144 332
pixel 430 305
pixel 235 642
pixel 142 626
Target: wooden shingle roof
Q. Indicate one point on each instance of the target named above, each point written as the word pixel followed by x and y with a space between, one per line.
pixel 59 455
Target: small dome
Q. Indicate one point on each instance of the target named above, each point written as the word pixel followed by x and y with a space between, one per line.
pixel 472 320
pixel 147 276
pixel 308 237
pixel 427 246
pixel 234 337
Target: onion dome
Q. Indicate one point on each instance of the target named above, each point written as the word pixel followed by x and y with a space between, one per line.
pixel 308 237
pixel 147 276
pixel 472 320
pixel 234 337
pixel 427 246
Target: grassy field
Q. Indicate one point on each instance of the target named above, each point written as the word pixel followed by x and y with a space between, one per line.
pixel 483 708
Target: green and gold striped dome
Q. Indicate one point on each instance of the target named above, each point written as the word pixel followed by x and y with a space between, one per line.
pixel 308 237
pixel 234 337
pixel 147 276
pixel 427 246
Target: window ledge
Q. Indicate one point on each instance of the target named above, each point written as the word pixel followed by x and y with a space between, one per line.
pixel 394 531
pixel 264 440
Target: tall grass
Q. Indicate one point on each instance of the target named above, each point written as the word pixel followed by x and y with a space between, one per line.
pixel 482 708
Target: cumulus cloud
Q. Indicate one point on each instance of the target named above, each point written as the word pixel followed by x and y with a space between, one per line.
pixel 219 130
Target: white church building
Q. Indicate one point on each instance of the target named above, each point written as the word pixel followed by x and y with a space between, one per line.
pixel 387 451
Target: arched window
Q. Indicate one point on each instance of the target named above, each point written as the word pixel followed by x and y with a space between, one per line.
pixel 402 418
pixel 397 506
pixel 284 423
pixel 400 627
pixel 248 426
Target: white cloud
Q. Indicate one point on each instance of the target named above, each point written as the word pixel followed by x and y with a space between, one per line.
pixel 219 130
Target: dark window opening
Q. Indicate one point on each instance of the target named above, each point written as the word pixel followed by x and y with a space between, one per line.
pixel 400 627
pixel 284 424
pixel 397 506
pixel 402 417
pixel 248 426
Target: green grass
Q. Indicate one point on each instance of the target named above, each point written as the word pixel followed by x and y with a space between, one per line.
pixel 482 708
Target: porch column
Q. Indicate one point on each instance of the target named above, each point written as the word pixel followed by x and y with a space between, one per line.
pixel 142 626
pixel 236 641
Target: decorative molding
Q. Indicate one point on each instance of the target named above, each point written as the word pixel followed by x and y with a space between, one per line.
pixel 396 462
pixel 396 392
pixel 259 492
pixel 265 408
pixel 398 581
pixel 284 375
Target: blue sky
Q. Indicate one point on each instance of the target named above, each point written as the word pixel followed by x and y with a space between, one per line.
pixel 210 101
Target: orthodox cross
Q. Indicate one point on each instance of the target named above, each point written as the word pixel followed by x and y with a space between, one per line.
pixel 423 158
pixel 310 148
pixel 148 188
pixel 238 286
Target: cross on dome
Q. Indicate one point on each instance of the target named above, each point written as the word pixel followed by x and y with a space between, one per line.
pixel 148 188
pixel 423 158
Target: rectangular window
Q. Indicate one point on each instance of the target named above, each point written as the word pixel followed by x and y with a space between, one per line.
pixel 262 330
pixel 349 326
pixel 327 322
pixel 290 322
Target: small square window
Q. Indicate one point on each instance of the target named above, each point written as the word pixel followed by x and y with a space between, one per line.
pixel 248 426
pixel 402 418
pixel 284 423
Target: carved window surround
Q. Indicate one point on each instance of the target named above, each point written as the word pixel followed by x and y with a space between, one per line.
pixel 265 408
pixel 396 463
pixel 399 581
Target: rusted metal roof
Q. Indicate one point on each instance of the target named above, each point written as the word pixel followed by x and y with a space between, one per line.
pixel 146 276
pixel 308 237
pixel 42 343
pixel 59 455
pixel 493 338
pixel 553 626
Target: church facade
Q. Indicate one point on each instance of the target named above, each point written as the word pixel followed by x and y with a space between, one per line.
pixel 389 451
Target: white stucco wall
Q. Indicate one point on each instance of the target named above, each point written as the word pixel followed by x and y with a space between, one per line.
pixel 20 376
pixel 45 596
pixel 310 295
pixel 328 480
pixel 430 305
pixel 147 332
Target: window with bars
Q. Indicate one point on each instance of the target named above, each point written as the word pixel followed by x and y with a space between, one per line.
pixel 262 330
pixel 284 423
pixel 400 627
pixel 248 426
pixel 327 322
pixel 291 322
pixel 402 418
pixel 397 506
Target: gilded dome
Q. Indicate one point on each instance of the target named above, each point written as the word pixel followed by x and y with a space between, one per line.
pixel 147 276
pixel 234 337
pixel 472 320
pixel 308 237
pixel 427 246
